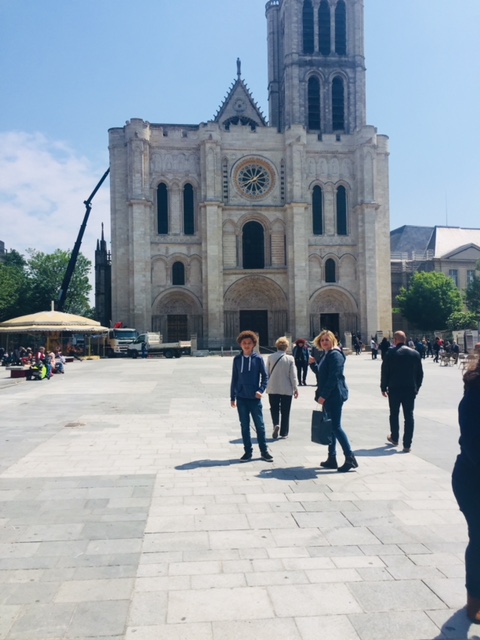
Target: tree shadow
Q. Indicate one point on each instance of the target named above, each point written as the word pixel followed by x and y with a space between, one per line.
pixel 288 473
pixel 459 627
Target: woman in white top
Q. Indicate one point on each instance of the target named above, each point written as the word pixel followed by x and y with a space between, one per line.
pixel 282 385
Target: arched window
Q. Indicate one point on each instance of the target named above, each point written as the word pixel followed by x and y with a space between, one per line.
pixel 341 28
pixel 308 28
pixel 178 273
pixel 338 104
pixel 324 28
pixel 342 211
pixel 253 246
pixel 330 271
pixel 162 208
pixel 314 104
pixel 188 211
pixel 317 211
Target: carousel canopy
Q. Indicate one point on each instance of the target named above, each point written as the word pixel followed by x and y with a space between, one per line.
pixel 51 321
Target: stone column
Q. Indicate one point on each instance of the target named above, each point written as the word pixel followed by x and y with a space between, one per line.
pixel 213 277
pixel 140 285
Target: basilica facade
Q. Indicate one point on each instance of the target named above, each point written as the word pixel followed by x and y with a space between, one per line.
pixel 279 226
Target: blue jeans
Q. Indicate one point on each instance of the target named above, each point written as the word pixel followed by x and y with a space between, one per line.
pixel 335 414
pixel 247 407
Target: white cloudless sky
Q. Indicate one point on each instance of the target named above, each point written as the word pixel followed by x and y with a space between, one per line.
pixel 72 69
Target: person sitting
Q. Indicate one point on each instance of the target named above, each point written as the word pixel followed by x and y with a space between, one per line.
pixel 59 362
pixel 37 371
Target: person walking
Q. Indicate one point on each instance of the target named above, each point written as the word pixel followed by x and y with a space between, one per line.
pixel 400 381
pixel 466 482
pixel 331 393
pixel 301 356
pixel 384 347
pixel 249 380
pixel 281 387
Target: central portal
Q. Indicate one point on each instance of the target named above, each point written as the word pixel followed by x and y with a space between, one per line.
pixel 330 321
pixel 256 321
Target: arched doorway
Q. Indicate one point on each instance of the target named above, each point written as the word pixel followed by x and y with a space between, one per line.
pixel 177 315
pixel 335 309
pixel 256 303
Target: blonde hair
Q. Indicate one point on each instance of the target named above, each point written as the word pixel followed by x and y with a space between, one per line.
pixel 321 335
pixel 282 343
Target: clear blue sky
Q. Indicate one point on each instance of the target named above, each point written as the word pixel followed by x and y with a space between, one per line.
pixel 72 69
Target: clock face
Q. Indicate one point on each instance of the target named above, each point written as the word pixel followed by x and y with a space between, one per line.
pixel 254 179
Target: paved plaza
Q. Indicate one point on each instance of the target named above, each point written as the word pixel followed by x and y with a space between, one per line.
pixel 125 513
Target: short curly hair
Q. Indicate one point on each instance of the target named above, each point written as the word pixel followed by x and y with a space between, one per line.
pixel 244 335
pixel 282 343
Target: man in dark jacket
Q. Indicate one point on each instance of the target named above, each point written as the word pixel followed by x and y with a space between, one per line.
pixel 249 380
pixel 401 378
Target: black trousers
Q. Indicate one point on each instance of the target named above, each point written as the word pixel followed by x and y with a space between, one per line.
pixel 280 411
pixel 302 368
pixel 406 399
pixel 467 494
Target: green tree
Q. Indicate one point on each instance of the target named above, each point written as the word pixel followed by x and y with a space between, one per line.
pixel 430 300
pixel 462 320
pixel 12 287
pixel 45 273
pixel 472 293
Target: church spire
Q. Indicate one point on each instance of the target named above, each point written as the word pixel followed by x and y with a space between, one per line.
pixel 239 68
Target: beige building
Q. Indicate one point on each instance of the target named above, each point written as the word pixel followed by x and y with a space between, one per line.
pixel 453 251
pixel 239 223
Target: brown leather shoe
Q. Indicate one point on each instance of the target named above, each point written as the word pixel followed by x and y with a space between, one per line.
pixel 473 608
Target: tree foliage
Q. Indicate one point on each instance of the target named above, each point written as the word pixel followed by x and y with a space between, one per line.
pixel 12 287
pixel 430 300
pixel 472 293
pixel 28 286
pixel 461 320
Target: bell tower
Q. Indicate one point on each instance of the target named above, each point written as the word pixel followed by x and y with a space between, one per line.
pixel 316 65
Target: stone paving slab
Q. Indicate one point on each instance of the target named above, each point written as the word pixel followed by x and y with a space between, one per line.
pixel 125 513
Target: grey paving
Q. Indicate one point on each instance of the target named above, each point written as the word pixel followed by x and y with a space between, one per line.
pixel 125 513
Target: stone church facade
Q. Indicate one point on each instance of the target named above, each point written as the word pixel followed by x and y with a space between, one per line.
pixel 239 223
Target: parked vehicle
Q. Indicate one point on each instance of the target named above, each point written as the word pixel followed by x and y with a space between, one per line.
pixel 154 345
pixel 119 340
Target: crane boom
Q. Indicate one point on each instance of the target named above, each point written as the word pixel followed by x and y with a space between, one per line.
pixel 76 249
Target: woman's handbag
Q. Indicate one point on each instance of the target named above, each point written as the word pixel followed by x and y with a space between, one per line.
pixel 321 427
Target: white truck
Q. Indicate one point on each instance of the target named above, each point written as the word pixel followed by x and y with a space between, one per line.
pixel 154 345
pixel 118 340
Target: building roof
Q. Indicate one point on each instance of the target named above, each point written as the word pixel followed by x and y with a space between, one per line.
pixel 447 239
pixel 411 242
pixel 239 106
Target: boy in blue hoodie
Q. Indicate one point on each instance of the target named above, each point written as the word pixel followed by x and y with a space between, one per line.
pixel 249 380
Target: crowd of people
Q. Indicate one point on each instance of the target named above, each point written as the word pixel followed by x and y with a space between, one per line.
pixel 42 363
pixel 400 381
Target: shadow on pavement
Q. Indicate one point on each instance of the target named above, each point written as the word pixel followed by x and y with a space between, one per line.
pixel 458 627
pixel 375 453
pixel 198 464
pixel 288 473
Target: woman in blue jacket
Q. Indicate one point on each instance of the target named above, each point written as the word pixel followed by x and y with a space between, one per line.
pixel 466 483
pixel 332 392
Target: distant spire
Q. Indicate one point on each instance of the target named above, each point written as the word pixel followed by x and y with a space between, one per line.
pixel 102 233
pixel 239 68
